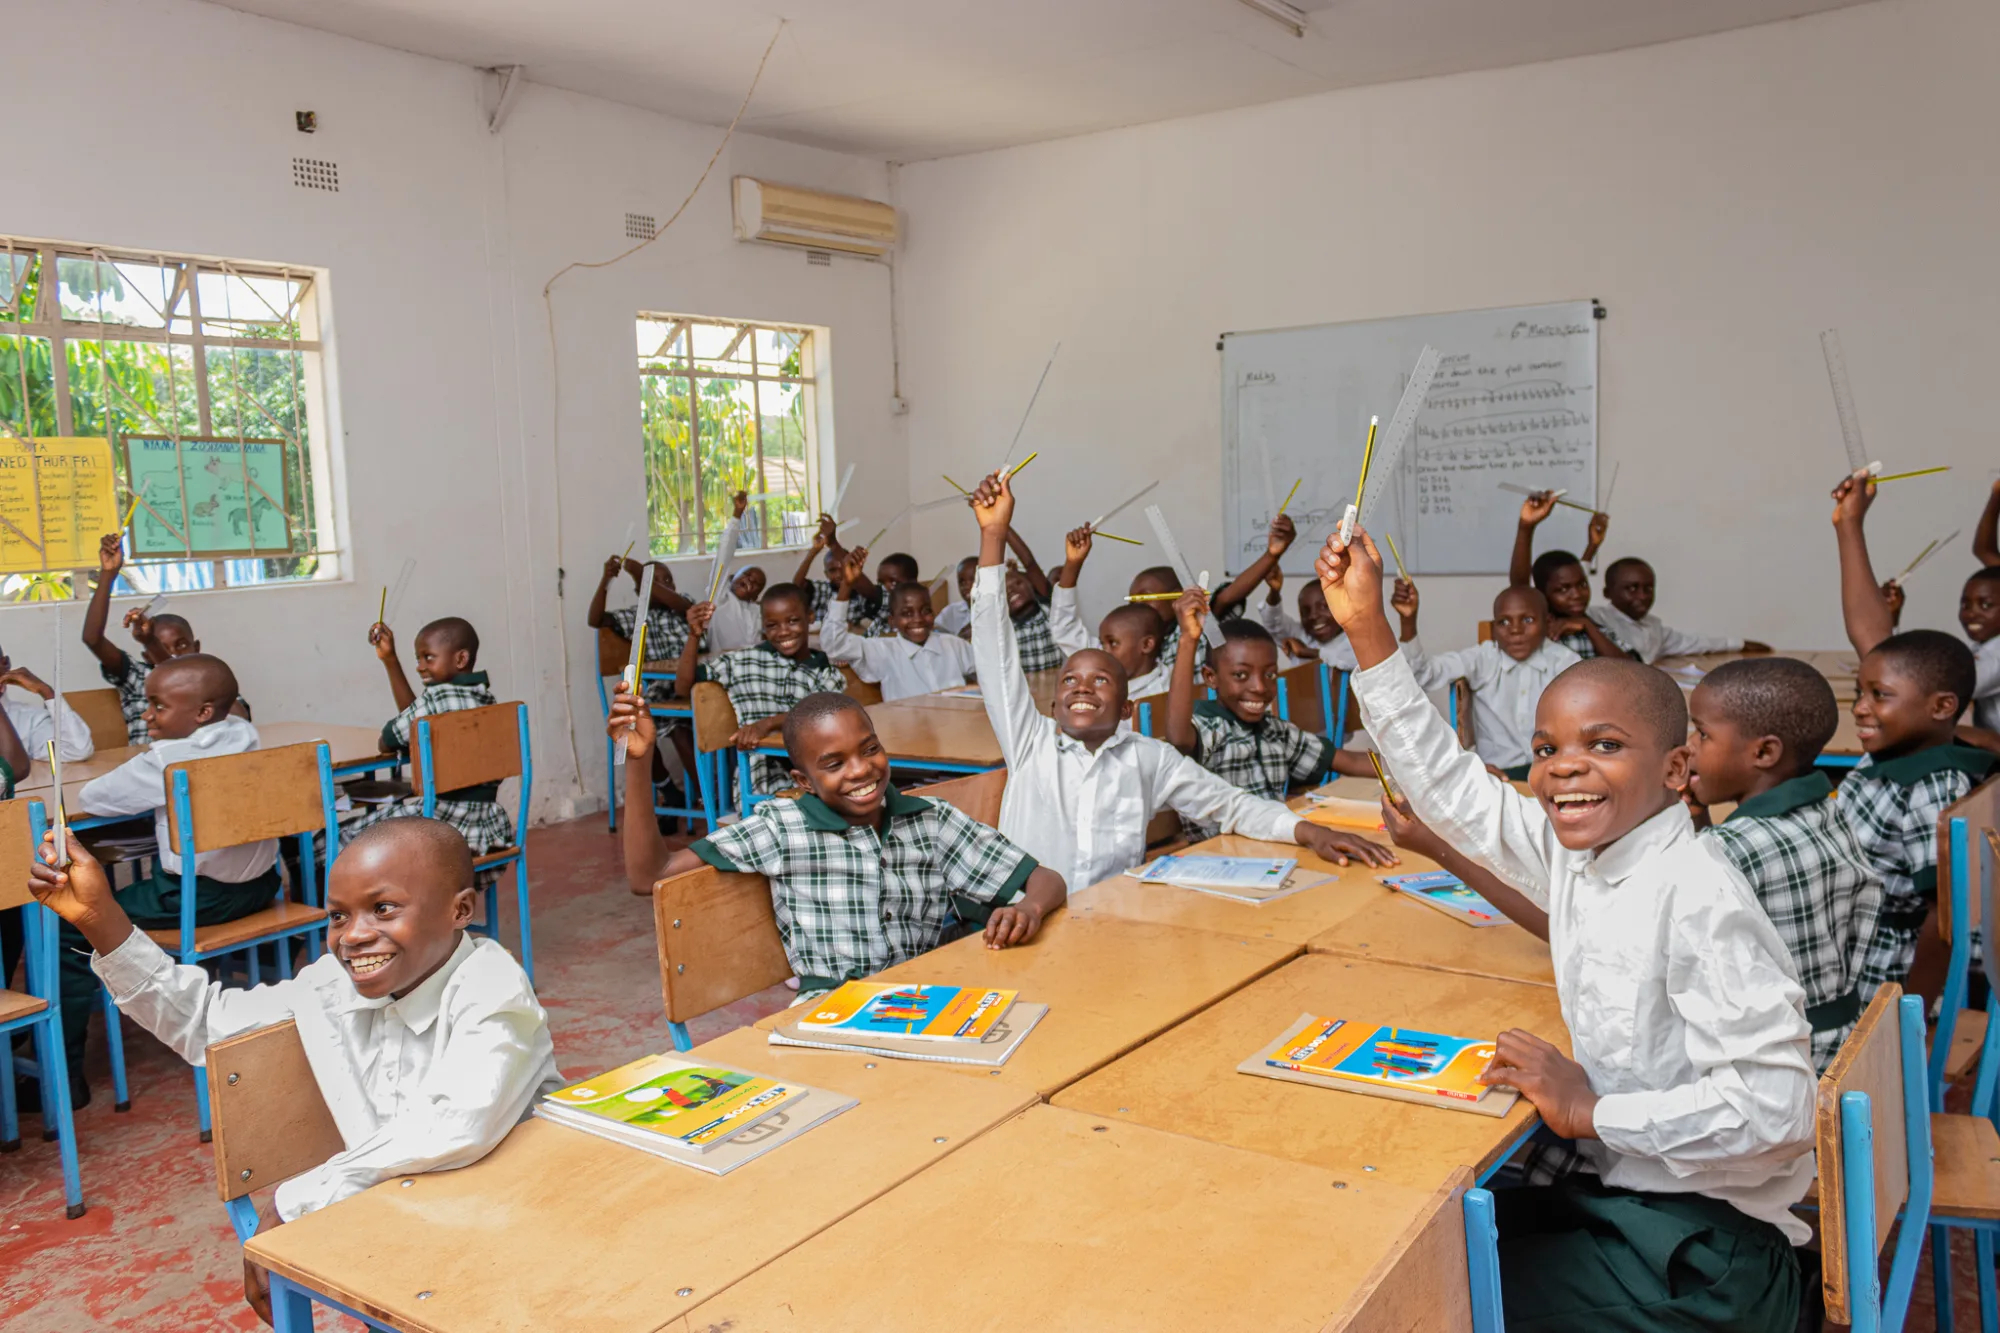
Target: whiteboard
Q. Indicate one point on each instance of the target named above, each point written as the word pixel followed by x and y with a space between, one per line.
pixel 1515 400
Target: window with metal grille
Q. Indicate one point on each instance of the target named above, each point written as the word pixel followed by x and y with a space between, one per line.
pixel 727 407
pixel 204 378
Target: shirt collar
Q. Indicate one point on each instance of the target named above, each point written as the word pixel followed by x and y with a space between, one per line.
pixel 1214 708
pixel 1905 770
pixel 1623 858
pixel 811 657
pixel 1787 796
pixel 819 816
pixel 419 1008
pixel 1065 741
pixel 468 678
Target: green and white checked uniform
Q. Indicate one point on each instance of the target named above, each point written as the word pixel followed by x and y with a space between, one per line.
pixel 1264 760
pixel 1893 809
pixel 474 811
pixel 1035 640
pixel 1806 868
pixel 852 900
pixel 129 679
pixel 762 682
pixel 666 635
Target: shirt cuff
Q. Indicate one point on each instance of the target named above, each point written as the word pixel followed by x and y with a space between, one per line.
pixel 130 967
pixel 708 852
pixel 1624 1123
pixel 989 582
pixel 302 1194
pixel 1390 686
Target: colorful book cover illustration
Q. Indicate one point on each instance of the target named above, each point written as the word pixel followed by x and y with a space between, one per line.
pixel 1405 1059
pixel 696 1106
pixel 1448 894
pixel 1252 873
pixel 934 1013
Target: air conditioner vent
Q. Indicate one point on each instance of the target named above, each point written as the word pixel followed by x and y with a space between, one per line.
pixel 313 173
pixel 640 226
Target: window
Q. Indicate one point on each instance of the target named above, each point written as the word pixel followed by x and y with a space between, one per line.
pixel 205 377
pixel 727 407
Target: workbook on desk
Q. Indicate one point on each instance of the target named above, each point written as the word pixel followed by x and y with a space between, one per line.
pixel 1243 879
pixel 1342 812
pixel 1352 1055
pixel 1448 894
pixel 709 1117
pixel 915 1010
pixel 995 1036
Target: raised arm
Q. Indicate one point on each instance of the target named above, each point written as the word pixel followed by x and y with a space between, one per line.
pixel 594 617
pixel 824 535
pixel 1600 525
pixel 1862 606
pixel 384 641
pixel 836 640
pixel 1413 835
pixel 1986 537
pixel 12 752
pixel 110 560
pixel 1076 550
pixel 1276 542
pixel 1019 546
pixel 1521 568
pixel 647 859
pixel 1190 610
pixel 996 656
pixel 685 669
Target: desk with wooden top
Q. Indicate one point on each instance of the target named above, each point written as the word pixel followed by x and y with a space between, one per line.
pixel 1839 668
pixel 354 750
pixel 1185 1080
pixel 1057 1220
pixel 560 1229
pixel 1110 986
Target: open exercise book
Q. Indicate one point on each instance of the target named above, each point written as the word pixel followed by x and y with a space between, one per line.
pixel 1397 1062
pixel 1243 879
pixel 1448 894
pixel 705 1116
pixel 959 1025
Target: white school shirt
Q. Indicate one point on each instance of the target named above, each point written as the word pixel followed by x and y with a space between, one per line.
pixel 1084 814
pixel 1336 652
pixel 140 784
pixel 1985 689
pixel 955 617
pixel 1681 999
pixel 736 624
pixel 1651 639
pixel 1066 627
pixel 901 668
pixel 1504 691
pixel 34 722
pixel 428 1082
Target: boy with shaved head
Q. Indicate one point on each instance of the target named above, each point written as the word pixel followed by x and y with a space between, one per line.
pixel 161 639
pixel 187 715
pixel 862 876
pixel 1691 1095
pixel 427 1044
pixel 447 658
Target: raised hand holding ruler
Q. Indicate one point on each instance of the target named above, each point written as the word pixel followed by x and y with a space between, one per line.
pixel 638 662
pixel 1400 425
pixel 1209 630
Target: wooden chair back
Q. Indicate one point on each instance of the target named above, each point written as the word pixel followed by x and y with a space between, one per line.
pixel 1485 631
pixel 1980 809
pixel 861 691
pixel 269 1118
pixel 17 852
pixel 1461 698
pixel 977 794
pixel 239 798
pixel 941 591
pixel 614 651
pixel 100 712
pixel 718 940
pixel 714 716
pixel 1424 1285
pixel 1870 1061
pixel 471 747
pixel 1302 703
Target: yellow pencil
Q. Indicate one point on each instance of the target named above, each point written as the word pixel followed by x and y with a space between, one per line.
pixel 383 609
pixel 1023 463
pixel 1153 597
pixel 1114 537
pixel 132 513
pixel 1382 776
pixel 628 549
pixel 955 486
pixel 1401 573
pixel 1289 494
pixel 1366 454
pixel 1920 472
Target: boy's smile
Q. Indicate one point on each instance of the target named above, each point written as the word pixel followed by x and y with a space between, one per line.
pixel 1979 608
pixel 1090 697
pixel 1020 593
pixel 845 765
pixel 749 585
pixel 912 616
pixel 1599 772
pixel 1630 589
pixel 1893 715
pixel 1314 616
pixel 1244 674
pixel 393 917
pixel 1568 591
pixel 785 625
pixel 437 661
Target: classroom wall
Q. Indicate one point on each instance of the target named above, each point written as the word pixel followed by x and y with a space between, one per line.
pixel 438 245
pixel 1726 198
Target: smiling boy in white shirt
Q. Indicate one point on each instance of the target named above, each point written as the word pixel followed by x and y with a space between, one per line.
pixel 1080 788
pixel 1691 1096
pixel 427 1045
pixel 918 660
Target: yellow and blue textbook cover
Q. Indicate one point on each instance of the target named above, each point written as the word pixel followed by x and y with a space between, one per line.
pixel 932 1013
pixel 1448 894
pixel 688 1105
pixel 1405 1063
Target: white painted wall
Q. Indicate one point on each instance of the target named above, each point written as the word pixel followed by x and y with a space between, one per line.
pixel 1726 197
pixel 438 246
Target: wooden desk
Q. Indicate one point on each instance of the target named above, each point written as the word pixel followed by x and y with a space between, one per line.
pixel 1186 1081
pixel 1392 928
pixel 1110 985
pixel 916 734
pixel 558 1229
pixel 355 749
pixel 1294 920
pixel 1063 1221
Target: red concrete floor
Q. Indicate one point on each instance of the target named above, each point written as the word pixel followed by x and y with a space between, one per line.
pixel 155 1252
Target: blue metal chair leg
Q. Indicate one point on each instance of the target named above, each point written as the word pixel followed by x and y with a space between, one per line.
pixel 679 1032
pixel 1941 1276
pixel 56 1110
pixel 291 1308
pixel 114 1043
pixel 1482 1261
pixel 10 1118
pixel 1983 1270
pixel 521 912
pixel 201 1101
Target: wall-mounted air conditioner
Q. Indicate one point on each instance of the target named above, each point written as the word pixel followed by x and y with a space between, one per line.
pixel 812 219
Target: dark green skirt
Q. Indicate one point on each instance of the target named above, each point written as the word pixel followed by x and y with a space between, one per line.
pixel 1581 1255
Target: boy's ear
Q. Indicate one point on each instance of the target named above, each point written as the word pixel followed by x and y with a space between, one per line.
pixel 799 779
pixel 1207 675
pixel 1945 706
pixel 1677 767
pixel 463 901
pixel 1767 752
pixel 1126 709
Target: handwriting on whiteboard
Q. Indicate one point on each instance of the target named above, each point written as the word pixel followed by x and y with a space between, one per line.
pixel 1491 415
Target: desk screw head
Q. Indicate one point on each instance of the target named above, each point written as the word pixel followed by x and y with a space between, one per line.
pixel 869 1065
pixel 685 1291
pixel 233 1078
pixel 1100 1129
pixel 680 968
pixel 408 1183
pixel 940 1139
pixel 243 1174
pixel 1367 1168
pixel 1340 1184
pixel 423 1295
pixel 677 923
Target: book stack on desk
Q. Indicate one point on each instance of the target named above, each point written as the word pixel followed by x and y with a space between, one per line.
pixel 1383 1061
pixel 709 1117
pixel 1243 879
pixel 957 1025
pixel 1448 894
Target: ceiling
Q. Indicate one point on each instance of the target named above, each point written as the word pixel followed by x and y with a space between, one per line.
pixel 914 79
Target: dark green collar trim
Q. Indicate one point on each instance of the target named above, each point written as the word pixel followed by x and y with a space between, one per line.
pixel 811 657
pixel 1951 757
pixel 820 816
pixel 469 678
pixel 1787 796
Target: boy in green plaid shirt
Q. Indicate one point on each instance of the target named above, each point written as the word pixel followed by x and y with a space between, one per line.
pixel 1756 732
pixel 1238 735
pixel 862 876
pixel 666 619
pixel 447 652
pixel 764 682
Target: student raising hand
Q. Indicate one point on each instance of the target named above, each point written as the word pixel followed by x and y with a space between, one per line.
pixel 853 570
pixel 1404 600
pixel 631 718
pixel 1282 534
pixel 110 554
pixel 698 617
pixel 738 503
pixel 1851 500
pixel 1537 507
pixel 1076 546
pixel 1190 610
pixel 1350 577
pixel 1551 1080
pixel 1600 525
pixel 993 505
pixel 384 640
